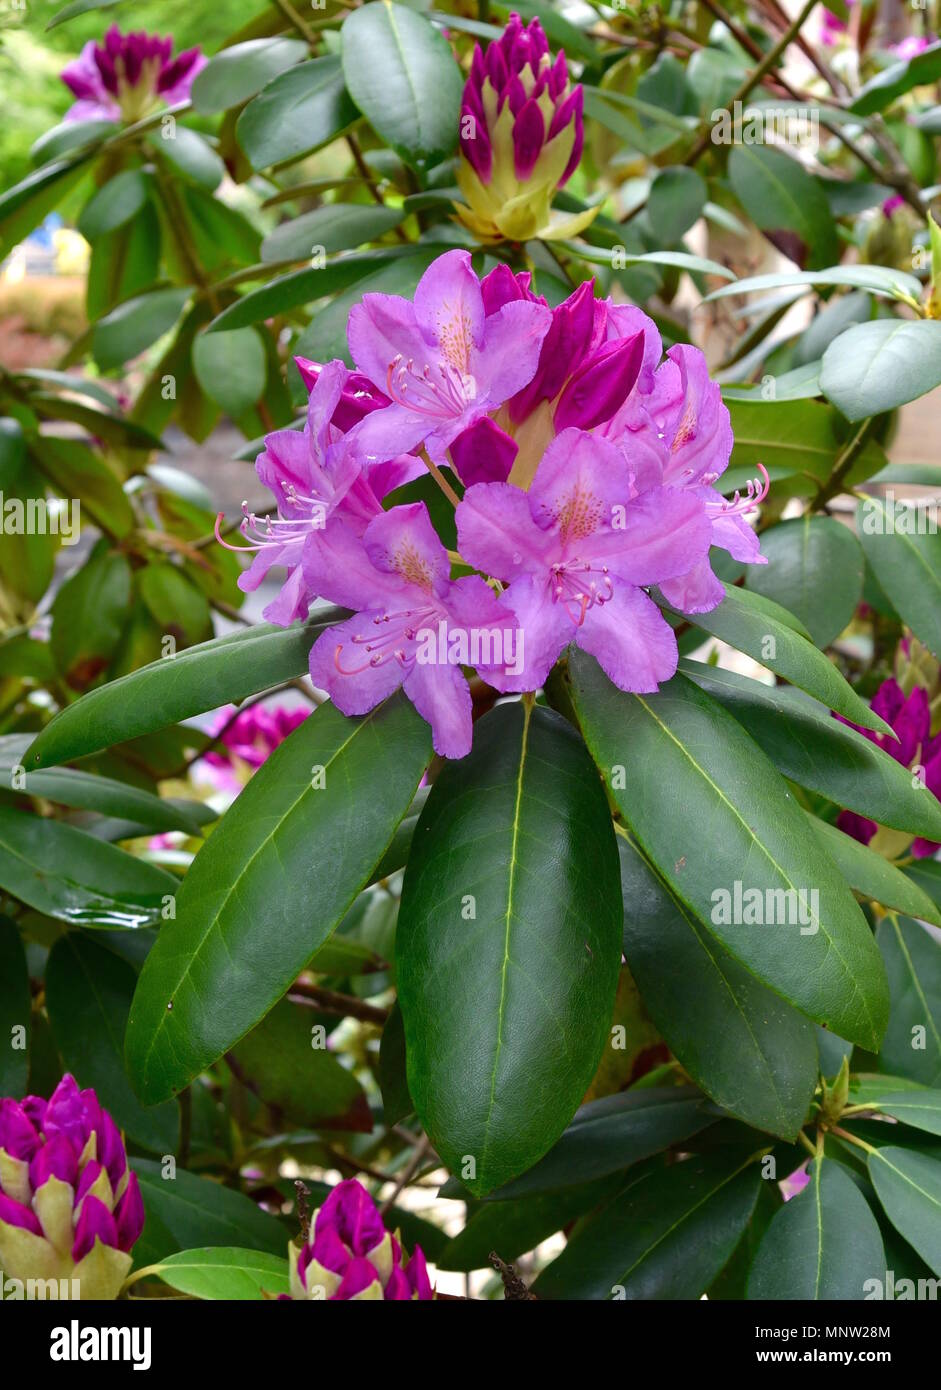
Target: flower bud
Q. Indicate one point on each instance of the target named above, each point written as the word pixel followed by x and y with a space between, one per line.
pixel 350 1255
pixel 70 1208
pixel 521 138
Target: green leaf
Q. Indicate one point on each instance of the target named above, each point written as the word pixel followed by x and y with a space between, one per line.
pixel 908 1185
pixel 508 944
pixel 393 1082
pixel 748 1050
pixel 227 669
pixel 786 203
pixel 897 79
pixel 795 440
pixel 675 202
pixel 404 78
pixel 175 603
pixel 872 876
pixel 69 786
pixel 232 368
pixel 822 1244
pixel 717 815
pixel 665 1236
pixel 912 1045
pixel 15 1011
pixel 907 566
pixel 88 614
pixel 919 1108
pixel 259 897
pixel 300 287
pixel 75 471
pixel 115 203
pixel 609 1135
pixel 67 874
pixel 814 569
pixel 748 621
pixel 237 73
pixel 80 7
pixel 879 365
pixel 879 279
pixel 23 207
pixel 191 154
pixel 809 746
pixel 325 335
pixel 512 1228
pixel 302 109
pixel 185 1212
pixel 135 325
pixel 334 227
pixel 225 1272
pixel 283 1062
pixel 88 994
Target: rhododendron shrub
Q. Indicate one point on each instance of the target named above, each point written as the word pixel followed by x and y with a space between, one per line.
pixel 469 805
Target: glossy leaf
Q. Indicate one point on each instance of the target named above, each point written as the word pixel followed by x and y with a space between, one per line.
pixel 717 815
pixel 783 200
pixel 751 624
pixel 88 994
pixel 69 875
pixel 815 570
pixel 135 325
pixel 665 1236
pixel 822 1244
pixel 908 1185
pixel 877 366
pixel 225 1272
pixel 402 75
pixel 185 1212
pixel 259 898
pixel 874 877
pixel 232 368
pixel 228 668
pixel 912 1045
pixel 301 109
pixel 752 1053
pixel 508 944
pixel 809 746
pixel 908 567
pixel 239 71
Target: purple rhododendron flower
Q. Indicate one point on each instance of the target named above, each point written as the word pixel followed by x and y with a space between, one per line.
pixel 914 747
pixel 443 362
pixel 128 75
pixel 247 740
pixel 70 1207
pixel 576 550
pixel 350 1255
pixel 414 626
pixel 313 474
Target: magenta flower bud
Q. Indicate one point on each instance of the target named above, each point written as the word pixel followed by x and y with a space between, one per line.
pixel 350 1255
pixel 521 137
pixel 357 398
pixel 128 75
pixel 601 384
pixel 70 1208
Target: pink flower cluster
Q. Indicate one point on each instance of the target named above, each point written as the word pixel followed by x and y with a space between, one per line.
pixel 583 467
pixel 350 1255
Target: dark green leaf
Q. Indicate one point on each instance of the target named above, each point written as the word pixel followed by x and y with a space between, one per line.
pixel 906 564
pixel 15 1011
pixel 912 1045
pixel 260 898
pixel 88 994
pixel 786 203
pixel 508 944
pixel 303 108
pixel 822 1244
pixel 115 203
pixel 231 368
pixel 238 72
pixel 402 75
pixel 897 79
pixel 814 569
pixel 185 1212
pixel 748 1050
pixel 717 815
pixel 872 876
pixel 908 1185
pixel 665 1236
pixel 135 325
pixel 877 366
pixel 334 227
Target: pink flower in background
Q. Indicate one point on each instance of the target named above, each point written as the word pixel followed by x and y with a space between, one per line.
pixel 127 75
pixel 70 1207
pixel 910 717
pixel 350 1255
pixel 247 740
pixel 910 46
